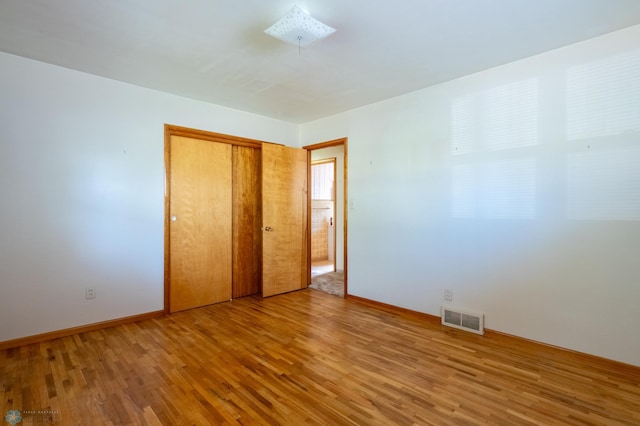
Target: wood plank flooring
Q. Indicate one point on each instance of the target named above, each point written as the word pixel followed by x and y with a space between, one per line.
pixel 309 358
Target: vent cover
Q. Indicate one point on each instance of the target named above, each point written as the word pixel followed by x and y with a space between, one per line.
pixel 464 320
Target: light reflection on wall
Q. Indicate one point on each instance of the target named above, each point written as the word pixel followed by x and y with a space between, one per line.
pixel 603 133
pixel 604 184
pixel 503 189
pixel 491 178
pixel 502 117
pixel 603 97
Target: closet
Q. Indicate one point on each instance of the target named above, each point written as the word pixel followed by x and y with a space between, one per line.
pixel 235 218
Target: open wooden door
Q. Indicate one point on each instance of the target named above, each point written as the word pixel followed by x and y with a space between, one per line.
pixel 284 219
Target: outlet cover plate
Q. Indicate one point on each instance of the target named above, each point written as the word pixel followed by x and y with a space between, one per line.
pixel 90 293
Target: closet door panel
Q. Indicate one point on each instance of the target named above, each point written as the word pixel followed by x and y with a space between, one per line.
pixel 200 225
pixel 247 221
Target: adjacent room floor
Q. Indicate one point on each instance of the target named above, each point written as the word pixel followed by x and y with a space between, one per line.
pixel 319 267
pixel 326 279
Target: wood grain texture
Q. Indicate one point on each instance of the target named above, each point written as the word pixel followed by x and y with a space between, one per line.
pixel 29 340
pixel 345 212
pixel 247 222
pixel 176 131
pixel 173 130
pixel 284 210
pixel 201 238
pixel 310 358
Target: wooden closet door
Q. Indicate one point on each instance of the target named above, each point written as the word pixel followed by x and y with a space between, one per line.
pixel 247 221
pixel 200 223
pixel 284 219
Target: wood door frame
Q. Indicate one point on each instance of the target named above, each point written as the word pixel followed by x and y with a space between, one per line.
pixel 169 131
pixel 335 142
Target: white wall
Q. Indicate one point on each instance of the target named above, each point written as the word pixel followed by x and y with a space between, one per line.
pixel 518 188
pixel 82 190
pixel 336 152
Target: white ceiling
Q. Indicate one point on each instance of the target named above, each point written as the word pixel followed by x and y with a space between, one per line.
pixel 216 50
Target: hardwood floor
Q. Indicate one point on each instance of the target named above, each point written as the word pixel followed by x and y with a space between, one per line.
pixel 309 358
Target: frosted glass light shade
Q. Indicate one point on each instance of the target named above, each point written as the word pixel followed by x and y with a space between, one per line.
pixel 299 28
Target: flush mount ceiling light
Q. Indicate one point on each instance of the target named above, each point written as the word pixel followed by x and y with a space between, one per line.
pixel 299 28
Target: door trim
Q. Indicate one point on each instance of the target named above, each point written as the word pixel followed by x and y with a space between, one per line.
pixel 335 142
pixel 169 131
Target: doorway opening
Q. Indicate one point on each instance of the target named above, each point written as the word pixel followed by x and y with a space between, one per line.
pixel 328 217
pixel 323 230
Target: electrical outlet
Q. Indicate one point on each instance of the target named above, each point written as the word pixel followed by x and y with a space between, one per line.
pixel 90 293
pixel 448 295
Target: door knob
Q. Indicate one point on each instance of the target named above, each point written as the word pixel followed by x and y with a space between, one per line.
pixel 173 218
pixel 267 228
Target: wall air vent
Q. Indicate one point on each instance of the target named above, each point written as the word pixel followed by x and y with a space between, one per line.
pixel 464 320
